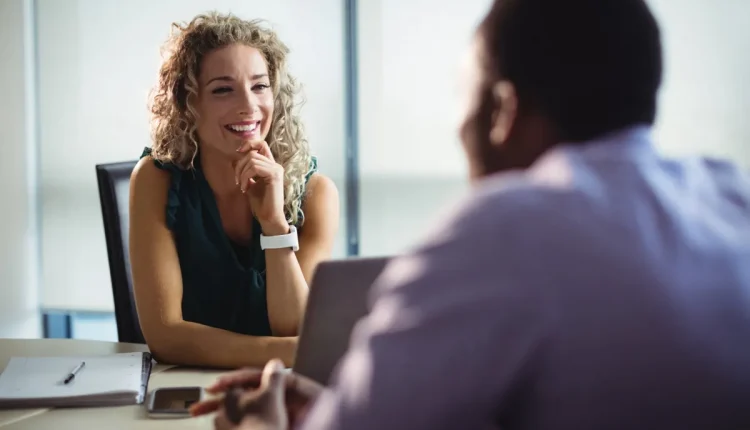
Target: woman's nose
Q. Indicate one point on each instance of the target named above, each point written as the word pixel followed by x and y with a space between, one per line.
pixel 249 104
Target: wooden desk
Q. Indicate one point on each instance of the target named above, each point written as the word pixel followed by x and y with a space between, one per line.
pixel 110 418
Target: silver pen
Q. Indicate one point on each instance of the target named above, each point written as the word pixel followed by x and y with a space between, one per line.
pixel 73 374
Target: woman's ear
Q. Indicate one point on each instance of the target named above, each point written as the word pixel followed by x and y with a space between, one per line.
pixel 505 108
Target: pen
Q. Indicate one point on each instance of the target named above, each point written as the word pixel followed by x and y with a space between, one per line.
pixel 73 374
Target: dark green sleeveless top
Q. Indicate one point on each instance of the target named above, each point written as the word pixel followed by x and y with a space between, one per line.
pixel 223 283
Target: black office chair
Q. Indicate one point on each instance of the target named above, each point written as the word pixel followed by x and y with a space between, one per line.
pixel 114 184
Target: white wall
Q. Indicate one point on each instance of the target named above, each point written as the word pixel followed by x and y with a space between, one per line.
pixel 98 61
pixel 19 309
pixel 705 100
pixel 411 160
pixel 412 164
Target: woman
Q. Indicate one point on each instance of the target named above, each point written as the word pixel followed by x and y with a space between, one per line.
pixel 219 200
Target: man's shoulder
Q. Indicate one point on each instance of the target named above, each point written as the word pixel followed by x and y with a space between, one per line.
pixel 500 208
pixel 516 196
pixel 726 174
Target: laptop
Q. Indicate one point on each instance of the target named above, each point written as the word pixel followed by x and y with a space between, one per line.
pixel 338 298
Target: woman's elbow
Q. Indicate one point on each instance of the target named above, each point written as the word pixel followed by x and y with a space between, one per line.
pixel 163 353
pixel 163 343
pixel 288 329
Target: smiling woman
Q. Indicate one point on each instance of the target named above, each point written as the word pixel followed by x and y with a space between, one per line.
pixel 229 167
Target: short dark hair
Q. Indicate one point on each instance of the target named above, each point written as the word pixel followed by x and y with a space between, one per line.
pixel 590 66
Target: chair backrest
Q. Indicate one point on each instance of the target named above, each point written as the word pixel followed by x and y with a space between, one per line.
pixel 114 190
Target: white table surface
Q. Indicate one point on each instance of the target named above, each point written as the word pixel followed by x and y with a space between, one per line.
pixel 109 418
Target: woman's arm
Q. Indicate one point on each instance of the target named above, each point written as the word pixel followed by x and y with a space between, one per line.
pixel 288 274
pixel 157 283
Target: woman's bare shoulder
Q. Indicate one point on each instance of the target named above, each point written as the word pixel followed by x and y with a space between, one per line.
pixel 321 184
pixel 148 179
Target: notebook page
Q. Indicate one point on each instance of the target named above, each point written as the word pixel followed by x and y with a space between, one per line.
pixel 42 377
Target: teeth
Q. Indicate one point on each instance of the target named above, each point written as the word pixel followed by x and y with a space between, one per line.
pixel 249 127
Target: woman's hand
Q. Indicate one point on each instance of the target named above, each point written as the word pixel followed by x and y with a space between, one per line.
pixel 258 175
pixel 271 399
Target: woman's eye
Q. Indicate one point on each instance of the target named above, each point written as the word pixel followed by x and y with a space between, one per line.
pixel 221 90
pixel 261 87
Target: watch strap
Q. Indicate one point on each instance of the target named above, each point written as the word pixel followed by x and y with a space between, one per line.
pixel 282 241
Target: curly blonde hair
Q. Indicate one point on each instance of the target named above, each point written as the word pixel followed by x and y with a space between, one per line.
pixel 174 117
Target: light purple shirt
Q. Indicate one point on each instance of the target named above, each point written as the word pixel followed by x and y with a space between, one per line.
pixel 604 288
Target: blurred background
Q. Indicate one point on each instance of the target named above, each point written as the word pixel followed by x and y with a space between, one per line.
pixel 382 88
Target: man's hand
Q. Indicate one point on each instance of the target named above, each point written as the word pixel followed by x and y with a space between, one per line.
pixel 271 399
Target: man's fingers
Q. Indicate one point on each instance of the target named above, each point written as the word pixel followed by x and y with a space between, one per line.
pixel 306 387
pixel 221 422
pixel 273 376
pixel 249 378
pixel 237 403
pixel 205 407
pixel 267 402
pixel 272 394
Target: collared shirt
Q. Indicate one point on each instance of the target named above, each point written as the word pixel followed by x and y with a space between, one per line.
pixel 606 287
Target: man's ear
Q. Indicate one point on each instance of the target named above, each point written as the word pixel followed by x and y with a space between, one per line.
pixel 505 108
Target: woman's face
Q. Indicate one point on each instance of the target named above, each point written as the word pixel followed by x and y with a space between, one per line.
pixel 235 100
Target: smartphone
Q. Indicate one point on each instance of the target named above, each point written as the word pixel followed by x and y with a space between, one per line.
pixel 173 402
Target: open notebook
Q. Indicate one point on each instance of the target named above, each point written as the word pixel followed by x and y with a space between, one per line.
pixel 109 380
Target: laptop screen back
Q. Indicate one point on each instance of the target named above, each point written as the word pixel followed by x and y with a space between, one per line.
pixel 338 299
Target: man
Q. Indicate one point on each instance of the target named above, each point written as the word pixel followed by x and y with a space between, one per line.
pixel 586 283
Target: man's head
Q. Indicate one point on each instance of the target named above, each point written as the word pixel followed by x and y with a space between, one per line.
pixel 551 71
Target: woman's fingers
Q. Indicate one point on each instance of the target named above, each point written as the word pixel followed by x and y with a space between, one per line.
pixel 261 147
pixel 245 163
pixel 247 179
pixel 257 169
pixel 261 165
pixel 249 146
pixel 239 167
pixel 265 150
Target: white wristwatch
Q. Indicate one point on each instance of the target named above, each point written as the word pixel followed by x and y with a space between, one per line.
pixel 288 240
